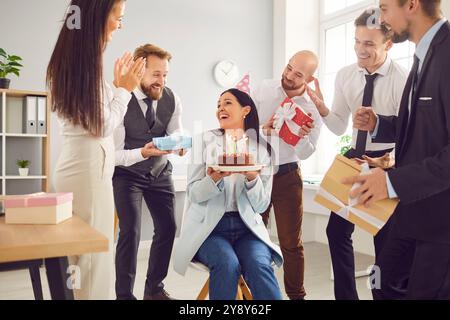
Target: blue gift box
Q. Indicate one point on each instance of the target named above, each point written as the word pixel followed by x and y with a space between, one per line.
pixel 173 143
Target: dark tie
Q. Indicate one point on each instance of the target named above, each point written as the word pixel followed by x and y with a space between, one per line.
pixel 361 140
pixel 415 73
pixel 150 114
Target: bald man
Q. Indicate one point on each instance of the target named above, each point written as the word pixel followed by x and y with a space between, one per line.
pixel 287 197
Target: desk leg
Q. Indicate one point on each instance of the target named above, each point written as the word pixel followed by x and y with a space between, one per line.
pixel 57 277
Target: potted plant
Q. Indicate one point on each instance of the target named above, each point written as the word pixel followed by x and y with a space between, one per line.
pixel 8 64
pixel 24 166
pixel 345 144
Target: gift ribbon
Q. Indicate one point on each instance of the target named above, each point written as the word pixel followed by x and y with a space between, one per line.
pixel 345 211
pixel 283 115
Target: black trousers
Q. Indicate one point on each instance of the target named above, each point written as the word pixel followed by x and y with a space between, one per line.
pixel 339 233
pixel 427 263
pixel 159 195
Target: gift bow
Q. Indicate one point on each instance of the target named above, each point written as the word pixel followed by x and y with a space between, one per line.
pixel 345 211
pixel 284 115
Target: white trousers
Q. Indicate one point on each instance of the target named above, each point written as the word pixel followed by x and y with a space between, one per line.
pixel 85 167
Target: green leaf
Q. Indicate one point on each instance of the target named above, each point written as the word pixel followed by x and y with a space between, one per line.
pixel 3 53
pixel 23 163
pixel 16 72
pixel 15 64
pixel 15 58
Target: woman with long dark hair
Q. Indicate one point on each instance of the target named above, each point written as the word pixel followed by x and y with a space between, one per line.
pixel 223 228
pixel 89 110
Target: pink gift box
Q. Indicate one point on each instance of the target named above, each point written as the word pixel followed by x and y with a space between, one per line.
pixel 39 200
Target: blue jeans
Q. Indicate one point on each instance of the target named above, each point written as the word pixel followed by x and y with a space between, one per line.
pixel 231 250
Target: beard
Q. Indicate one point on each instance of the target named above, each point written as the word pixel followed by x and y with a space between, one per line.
pixel 290 85
pixel 401 37
pixel 154 93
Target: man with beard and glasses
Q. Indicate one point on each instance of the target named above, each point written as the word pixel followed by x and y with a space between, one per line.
pixel 287 197
pixel 377 82
pixel 420 235
pixel 143 172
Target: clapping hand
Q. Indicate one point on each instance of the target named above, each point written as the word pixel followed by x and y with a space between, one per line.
pixel 317 98
pixel 128 73
pixel 365 119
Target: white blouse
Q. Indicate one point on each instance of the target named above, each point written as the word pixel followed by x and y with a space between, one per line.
pixel 115 104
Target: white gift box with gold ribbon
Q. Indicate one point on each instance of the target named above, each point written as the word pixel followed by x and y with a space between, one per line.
pixel 335 196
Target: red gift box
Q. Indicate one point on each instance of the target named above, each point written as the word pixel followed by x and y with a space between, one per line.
pixel 289 119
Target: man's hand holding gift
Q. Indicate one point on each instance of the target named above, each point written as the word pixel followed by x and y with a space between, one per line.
pixel 290 122
pixel 306 129
pixel 385 162
pixel 372 187
pixel 150 150
pixel 180 153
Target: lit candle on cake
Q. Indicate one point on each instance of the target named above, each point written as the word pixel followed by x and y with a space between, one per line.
pixel 236 152
pixel 242 145
pixel 230 145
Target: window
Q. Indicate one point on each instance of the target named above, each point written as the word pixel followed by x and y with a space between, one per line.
pixel 337 33
pixel 333 6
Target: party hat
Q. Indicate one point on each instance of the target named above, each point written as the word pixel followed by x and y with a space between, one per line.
pixel 244 84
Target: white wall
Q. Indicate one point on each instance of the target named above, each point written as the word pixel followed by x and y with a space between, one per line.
pixel 198 33
pixel 446 7
pixel 296 27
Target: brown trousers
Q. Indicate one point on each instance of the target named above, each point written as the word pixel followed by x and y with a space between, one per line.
pixel 287 202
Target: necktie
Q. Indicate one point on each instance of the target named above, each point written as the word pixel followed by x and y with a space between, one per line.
pixel 361 140
pixel 415 73
pixel 150 114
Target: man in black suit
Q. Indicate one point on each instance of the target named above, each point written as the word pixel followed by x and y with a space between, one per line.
pixel 420 235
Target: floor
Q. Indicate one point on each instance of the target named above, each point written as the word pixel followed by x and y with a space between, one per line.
pixel 17 286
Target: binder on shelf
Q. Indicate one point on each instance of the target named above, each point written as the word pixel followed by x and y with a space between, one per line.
pixel 29 115
pixel 41 115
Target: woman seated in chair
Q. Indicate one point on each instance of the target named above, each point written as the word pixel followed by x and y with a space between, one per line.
pixel 223 228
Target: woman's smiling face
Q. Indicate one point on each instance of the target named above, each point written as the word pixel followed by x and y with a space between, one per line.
pixel 230 113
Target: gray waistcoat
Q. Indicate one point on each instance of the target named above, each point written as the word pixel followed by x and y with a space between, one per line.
pixel 139 133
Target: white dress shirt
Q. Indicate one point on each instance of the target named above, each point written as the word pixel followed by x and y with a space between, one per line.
pixel 130 157
pixel 115 106
pixel 268 97
pixel 348 97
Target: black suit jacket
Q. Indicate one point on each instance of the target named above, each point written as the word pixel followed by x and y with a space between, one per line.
pixel 422 175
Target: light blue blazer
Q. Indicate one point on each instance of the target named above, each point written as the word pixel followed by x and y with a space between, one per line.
pixel 205 203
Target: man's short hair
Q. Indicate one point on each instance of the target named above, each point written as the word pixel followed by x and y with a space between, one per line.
pixel 151 50
pixel 370 18
pixel 432 8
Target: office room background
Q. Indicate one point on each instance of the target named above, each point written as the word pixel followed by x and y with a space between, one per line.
pixel 259 35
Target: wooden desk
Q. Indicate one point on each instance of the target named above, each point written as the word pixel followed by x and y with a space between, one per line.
pixel 53 244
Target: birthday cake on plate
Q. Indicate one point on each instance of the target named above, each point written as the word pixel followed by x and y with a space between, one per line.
pixel 236 154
